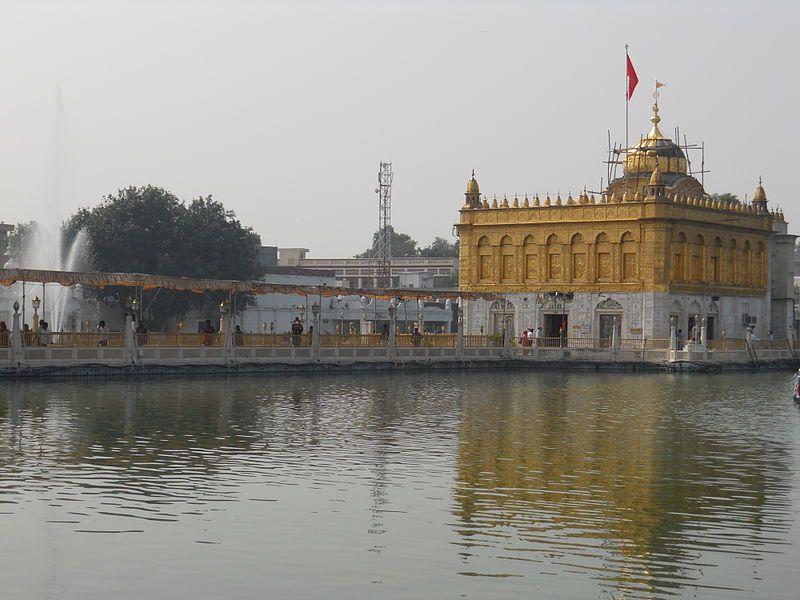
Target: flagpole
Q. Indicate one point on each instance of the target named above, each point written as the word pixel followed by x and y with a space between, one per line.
pixel 627 100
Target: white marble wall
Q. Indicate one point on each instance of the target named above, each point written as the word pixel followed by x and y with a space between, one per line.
pixel 645 314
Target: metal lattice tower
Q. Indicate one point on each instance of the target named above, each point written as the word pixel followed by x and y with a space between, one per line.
pixel 382 254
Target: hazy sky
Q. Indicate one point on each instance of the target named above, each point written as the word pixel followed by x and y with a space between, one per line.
pixel 283 110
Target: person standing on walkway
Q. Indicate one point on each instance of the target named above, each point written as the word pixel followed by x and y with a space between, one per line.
pixel 297 331
pixel 208 333
pixel 102 334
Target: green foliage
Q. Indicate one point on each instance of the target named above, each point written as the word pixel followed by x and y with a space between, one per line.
pixel 440 247
pixel 149 230
pixel 727 197
pixel 402 245
pixel 18 237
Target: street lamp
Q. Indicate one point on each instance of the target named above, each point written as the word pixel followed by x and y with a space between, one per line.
pixel 302 310
pixel 341 322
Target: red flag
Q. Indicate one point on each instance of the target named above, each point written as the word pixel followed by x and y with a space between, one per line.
pixel 632 78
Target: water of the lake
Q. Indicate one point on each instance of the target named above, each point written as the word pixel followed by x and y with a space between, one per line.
pixel 430 485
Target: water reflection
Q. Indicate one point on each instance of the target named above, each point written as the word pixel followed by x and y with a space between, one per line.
pixel 471 485
pixel 633 480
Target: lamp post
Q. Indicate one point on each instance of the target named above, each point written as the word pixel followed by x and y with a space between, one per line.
pixel 392 341
pixel 315 332
pixel 341 322
pixel 302 310
pixel 35 303
pixel 16 334
pixel 130 343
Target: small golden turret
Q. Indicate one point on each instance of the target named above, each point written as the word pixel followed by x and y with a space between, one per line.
pixel 473 193
pixel 760 199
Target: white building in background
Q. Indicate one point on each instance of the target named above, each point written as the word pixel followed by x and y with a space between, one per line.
pixel 407 272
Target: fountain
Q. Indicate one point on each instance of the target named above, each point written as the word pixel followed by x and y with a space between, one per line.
pixel 44 248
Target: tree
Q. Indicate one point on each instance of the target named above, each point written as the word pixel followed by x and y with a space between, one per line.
pixel 402 245
pixel 726 197
pixel 149 230
pixel 440 247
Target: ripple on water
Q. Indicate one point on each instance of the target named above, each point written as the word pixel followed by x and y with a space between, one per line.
pixel 482 484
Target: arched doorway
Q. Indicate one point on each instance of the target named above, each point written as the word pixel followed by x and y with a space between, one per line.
pixel 501 316
pixel 605 313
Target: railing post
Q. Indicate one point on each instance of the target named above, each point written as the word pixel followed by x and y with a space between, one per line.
pixel 130 342
pixel 16 335
pixel 315 354
pixel 506 342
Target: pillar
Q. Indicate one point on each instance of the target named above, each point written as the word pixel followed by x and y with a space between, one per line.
pixel 227 338
pixel 392 332
pixel 130 341
pixel 615 336
pixel 315 339
pixel 673 333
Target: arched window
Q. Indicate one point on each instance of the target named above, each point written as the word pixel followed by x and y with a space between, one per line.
pixel 531 259
pixel 678 253
pixel 732 261
pixel 761 264
pixel 698 248
pixel 579 258
pixel 629 267
pixel 748 264
pixel 714 261
pixel 554 270
pixel 484 259
pixel 602 257
pixel 507 271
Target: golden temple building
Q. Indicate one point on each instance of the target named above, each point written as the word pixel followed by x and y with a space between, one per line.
pixel 652 249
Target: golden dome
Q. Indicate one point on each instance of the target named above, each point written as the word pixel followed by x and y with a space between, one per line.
pixel 472 185
pixel 655 149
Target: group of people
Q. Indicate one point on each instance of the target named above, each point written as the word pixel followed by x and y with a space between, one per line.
pixel 531 337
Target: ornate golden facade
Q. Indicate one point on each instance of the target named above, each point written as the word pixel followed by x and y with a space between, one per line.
pixel 653 249
pixel 651 239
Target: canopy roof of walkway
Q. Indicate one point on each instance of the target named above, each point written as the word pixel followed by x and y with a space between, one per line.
pixel 100 280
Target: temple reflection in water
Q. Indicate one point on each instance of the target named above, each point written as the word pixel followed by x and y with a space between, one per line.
pixel 574 470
